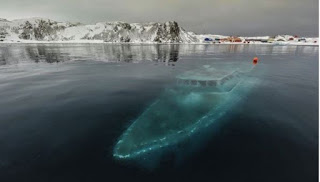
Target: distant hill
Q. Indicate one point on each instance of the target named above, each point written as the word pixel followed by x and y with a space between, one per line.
pixel 44 30
pixel 49 30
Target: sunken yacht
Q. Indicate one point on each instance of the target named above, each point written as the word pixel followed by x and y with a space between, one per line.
pixel 200 98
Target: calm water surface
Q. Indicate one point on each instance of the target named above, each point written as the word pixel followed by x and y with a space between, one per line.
pixel 63 107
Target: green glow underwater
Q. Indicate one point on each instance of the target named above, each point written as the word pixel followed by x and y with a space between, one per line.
pixel 200 98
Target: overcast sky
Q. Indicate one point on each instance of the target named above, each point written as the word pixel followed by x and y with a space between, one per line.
pixel 228 17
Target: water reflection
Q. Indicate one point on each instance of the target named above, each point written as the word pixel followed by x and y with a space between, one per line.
pixel 168 54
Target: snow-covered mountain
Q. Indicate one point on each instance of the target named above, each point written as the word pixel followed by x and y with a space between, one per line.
pixel 41 29
pixel 45 30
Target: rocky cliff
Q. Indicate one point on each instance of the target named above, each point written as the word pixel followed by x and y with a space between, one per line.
pixel 40 29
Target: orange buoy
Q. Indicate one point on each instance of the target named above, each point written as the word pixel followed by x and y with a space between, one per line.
pixel 255 60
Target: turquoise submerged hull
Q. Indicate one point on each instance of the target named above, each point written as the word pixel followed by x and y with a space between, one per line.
pixel 180 112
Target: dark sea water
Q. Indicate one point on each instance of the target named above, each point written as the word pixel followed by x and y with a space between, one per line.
pixel 64 106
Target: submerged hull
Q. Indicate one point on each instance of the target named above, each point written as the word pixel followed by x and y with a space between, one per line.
pixel 181 112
